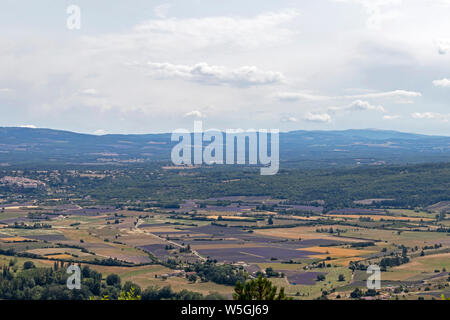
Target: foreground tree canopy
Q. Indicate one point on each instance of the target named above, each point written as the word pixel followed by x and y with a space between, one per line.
pixel 258 289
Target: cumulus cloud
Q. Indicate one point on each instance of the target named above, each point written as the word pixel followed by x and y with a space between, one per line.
pixel 442 83
pixel 194 114
pixel 431 115
pixel 216 75
pixel 359 105
pixel 317 117
pixel 84 82
pixel 288 119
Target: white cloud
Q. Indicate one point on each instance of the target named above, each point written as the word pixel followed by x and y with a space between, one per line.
pixel 5 90
pixel 442 83
pixel 443 46
pixel 288 119
pixel 205 33
pixel 431 115
pixel 100 132
pixel 31 126
pixel 216 75
pixel 295 96
pixel 194 114
pixel 360 105
pixel 390 94
pixel 377 11
pixel 391 117
pixel 84 82
pixel 399 95
pixel 424 115
pixel 357 105
pixel 317 117
pixel 162 10
pixel 89 92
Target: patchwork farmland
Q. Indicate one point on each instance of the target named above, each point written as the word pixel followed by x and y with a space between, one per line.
pixel 301 247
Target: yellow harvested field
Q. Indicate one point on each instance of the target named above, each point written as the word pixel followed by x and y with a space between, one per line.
pixel 305 218
pixel 223 213
pixel 20 207
pixel 345 262
pixel 14 239
pixel 266 213
pixel 336 252
pixel 377 217
pixel 426 263
pixel 58 251
pixel 418 268
pixel 59 256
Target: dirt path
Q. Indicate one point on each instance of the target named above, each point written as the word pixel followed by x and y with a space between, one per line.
pixel 195 253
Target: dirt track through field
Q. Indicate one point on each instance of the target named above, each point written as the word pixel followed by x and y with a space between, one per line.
pixel 136 227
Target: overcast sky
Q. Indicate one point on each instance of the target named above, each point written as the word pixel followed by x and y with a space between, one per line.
pixel 141 66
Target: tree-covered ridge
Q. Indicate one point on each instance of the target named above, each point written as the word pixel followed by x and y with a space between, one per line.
pixel 307 149
pixel 407 186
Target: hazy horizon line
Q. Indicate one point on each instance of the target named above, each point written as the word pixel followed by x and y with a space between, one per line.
pixel 168 132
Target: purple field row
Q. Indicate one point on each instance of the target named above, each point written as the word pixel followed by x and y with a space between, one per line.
pixel 356 211
pixel 48 237
pixel 305 278
pixel 257 254
pixel 158 250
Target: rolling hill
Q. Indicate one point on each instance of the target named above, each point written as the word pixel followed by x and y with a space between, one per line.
pixel 20 146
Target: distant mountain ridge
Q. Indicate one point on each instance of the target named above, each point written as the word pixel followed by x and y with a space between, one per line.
pixel 307 148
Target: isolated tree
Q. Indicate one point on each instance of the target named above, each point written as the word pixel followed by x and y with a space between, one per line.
pixel 113 280
pixel 28 265
pixel 320 277
pixel 258 289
